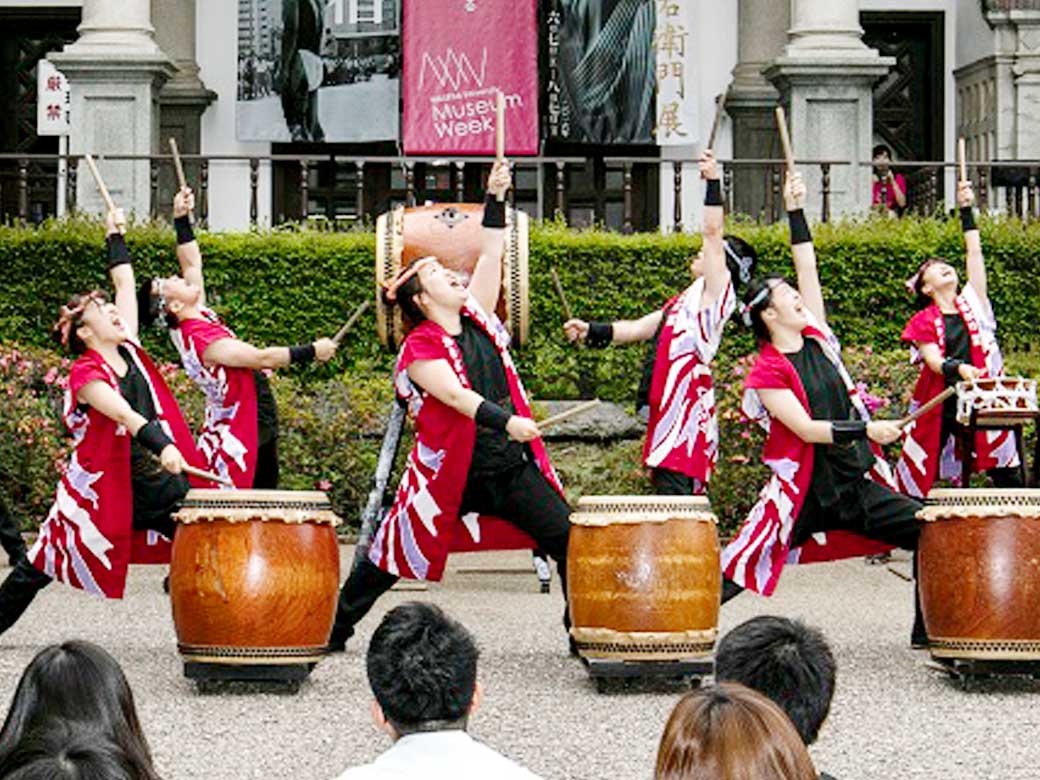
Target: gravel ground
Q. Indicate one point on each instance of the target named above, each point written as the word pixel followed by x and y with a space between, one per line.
pixel 892 717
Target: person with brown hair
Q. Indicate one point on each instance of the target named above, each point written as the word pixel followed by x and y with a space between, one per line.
pixel 729 732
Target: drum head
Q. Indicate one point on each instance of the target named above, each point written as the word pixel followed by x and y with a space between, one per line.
pixel 953 503
pixel 288 506
pixel 611 510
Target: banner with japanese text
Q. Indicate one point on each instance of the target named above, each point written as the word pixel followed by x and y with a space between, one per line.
pixel 676 83
pixel 457 55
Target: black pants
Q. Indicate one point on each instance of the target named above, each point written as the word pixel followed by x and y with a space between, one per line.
pixel 266 476
pixel 522 496
pixel 673 483
pixel 10 535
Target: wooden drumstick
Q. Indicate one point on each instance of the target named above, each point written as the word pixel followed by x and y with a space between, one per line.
pixel 564 416
pixel 563 297
pixel 500 132
pixel 962 158
pixel 785 138
pixel 182 181
pixel 100 183
pixel 720 104
pixel 350 323
pixel 207 475
pixel 927 407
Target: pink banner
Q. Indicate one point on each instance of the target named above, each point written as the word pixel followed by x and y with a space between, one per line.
pixel 457 55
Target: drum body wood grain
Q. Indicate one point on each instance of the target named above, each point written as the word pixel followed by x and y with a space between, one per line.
pixel 979 572
pixel 452 233
pixel 254 576
pixel 643 577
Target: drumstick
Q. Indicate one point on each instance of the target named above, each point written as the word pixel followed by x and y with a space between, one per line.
pixel 100 183
pixel 207 475
pixel 350 323
pixel 720 103
pixel 182 181
pixel 500 132
pixel 785 139
pixel 563 416
pixel 927 407
pixel 563 297
pixel 962 158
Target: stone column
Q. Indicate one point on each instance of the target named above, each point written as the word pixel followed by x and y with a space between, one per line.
pixel 826 76
pixel 115 70
pixel 761 36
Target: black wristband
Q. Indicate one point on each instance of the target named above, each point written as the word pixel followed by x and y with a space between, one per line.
pixel 118 254
pixel 951 370
pixel 491 415
pixel 185 232
pixel 799 227
pixel 968 219
pixel 713 193
pixel 600 335
pixel 301 353
pixel 845 431
pixel 152 437
pixel 494 212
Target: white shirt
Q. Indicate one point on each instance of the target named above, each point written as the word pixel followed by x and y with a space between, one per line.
pixel 439 755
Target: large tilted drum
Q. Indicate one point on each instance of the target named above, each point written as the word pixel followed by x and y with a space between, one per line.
pixel 452 233
pixel 643 577
pixel 254 576
pixel 979 574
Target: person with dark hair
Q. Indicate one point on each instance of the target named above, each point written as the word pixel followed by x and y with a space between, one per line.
pixel 729 732
pixel 239 438
pixel 831 494
pixel 682 435
pixel 954 338
pixel 115 500
pixel 80 684
pixel 478 471
pixel 422 668
pixel 889 189
pixel 68 751
pixel 785 660
pixel 301 70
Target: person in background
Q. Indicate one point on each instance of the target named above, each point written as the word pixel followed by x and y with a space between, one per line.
pixel 889 188
pixel 68 751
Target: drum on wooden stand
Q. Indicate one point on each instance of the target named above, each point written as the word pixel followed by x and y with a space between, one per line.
pixel 254 579
pixel 452 233
pixel 643 578
pixel 979 574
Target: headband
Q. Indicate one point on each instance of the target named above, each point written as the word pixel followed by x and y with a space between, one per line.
pixel 745 310
pixel 391 288
pixel 911 283
pixel 743 263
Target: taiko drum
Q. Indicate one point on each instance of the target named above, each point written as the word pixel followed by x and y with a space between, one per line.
pixel 452 233
pixel 254 576
pixel 643 577
pixel 979 574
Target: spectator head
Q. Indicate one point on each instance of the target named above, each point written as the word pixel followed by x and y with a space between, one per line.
pixel 729 732
pixel 67 751
pixel 881 153
pixel 785 660
pixel 80 683
pixel 422 667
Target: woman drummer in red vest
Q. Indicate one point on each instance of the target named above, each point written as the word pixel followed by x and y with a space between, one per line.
pixel 478 469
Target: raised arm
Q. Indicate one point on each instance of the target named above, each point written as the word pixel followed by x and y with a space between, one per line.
pixel 716 273
pixel 783 405
pixel 486 282
pixel 235 353
pixel 972 240
pixel 619 332
pixel 111 404
pixel 121 271
pixel 188 253
pixel 802 250
pixel 438 379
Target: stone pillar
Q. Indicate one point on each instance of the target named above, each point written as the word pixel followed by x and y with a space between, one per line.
pixel 826 76
pixel 762 34
pixel 184 98
pixel 115 70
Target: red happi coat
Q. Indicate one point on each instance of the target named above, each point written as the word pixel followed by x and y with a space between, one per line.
pixel 924 458
pixel 423 524
pixel 228 439
pixel 756 556
pixel 87 540
pixel 682 433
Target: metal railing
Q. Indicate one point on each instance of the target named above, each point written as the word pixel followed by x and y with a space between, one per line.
pixel 1010 5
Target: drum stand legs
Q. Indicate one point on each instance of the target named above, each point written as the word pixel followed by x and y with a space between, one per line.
pixel 966 670
pixel 211 678
pixel 605 671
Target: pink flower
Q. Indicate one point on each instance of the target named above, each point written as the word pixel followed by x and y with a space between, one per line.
pixel 738 370
pixel 739 459
pixel 50 377
pixel 323 484
pixel 872 402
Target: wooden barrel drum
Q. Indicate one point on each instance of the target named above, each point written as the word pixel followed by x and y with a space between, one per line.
pixel 643 578
pixel 979 574
pixel 451 233
pixel 254 576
